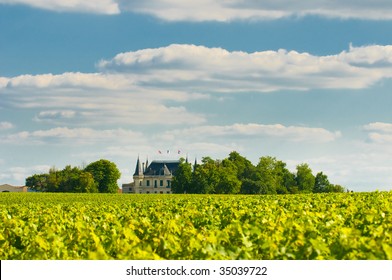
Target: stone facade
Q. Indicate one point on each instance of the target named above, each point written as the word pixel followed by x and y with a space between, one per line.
pixel 9 188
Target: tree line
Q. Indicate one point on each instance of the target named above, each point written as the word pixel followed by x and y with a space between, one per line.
pixel 237 175
pixel 100 176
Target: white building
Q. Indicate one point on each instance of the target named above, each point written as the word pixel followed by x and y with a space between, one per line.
pixel 152 178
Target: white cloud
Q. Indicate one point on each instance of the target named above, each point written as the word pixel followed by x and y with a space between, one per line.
pixel 108 7
pixel 224 10
pixel 73 136
pixel 137 87
pixel 289 133
pixel 215 69
pixel 5 125
pixel 379 126
pixel 19 174
pixel 98 98
pixel 379 132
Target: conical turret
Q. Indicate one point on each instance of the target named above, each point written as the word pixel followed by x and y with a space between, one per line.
pixel 139 168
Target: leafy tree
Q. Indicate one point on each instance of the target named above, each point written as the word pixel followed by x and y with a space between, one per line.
pixel 182 179
pixel 67 180
pixel 37 182
pixel 305 179
pixel 273 175
pixel 245 169
pixel 206 176
pixel 105 174
pixel 228 180
pixel 250 186
pixel 321 183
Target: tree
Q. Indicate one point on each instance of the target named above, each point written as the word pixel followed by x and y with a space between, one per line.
pixel 273 176
pixel 206 176
pixel 321 183
pixel 228 181
pixel 37 182
pixel 105 174
pixel 182 179
pixel 305 179
pixel 245 169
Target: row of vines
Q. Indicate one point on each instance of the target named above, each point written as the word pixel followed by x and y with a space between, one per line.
pixel 104 226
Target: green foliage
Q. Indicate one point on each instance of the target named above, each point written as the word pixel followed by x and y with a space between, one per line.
pixel 352 226
pixel 182 181
pixel 321 183
pixel 236 174
pixel 105 174
pixel 305 179
pixel 67 180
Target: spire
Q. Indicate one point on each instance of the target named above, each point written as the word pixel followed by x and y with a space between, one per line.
pixel 139 168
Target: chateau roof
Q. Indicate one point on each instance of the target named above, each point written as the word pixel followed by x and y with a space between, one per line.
pixel 162 167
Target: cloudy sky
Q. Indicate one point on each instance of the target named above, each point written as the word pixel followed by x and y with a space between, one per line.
pixel 303 81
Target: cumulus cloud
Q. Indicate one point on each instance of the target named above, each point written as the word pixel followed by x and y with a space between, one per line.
pixel 289 133
pixel 379 132
pixel 5 125
pixel 379 126
pixel 199 67
pixel 108 7
pixel 97 98
pixel 75 135
pixel 139 87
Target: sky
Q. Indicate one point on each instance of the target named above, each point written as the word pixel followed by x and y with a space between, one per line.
pixel 302 81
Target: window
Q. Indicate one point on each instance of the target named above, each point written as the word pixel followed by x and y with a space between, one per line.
pixel 161 183
pixel 168 184
pixel 155 184
pixel 148 183
pixel 140 183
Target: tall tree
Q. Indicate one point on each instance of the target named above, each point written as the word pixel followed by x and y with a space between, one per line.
pixel 182 179
pixel 228 180
pixel 305 179
pixel 321 183
pixel 105 174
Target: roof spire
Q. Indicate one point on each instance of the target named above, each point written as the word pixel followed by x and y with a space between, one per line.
pixel 139 168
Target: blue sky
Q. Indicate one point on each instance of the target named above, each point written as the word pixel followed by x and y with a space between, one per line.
pixel 309 82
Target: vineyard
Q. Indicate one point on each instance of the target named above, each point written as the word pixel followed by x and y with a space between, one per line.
pixel 112 226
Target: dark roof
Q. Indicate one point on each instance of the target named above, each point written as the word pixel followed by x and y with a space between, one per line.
pixel 138 169
pixel 162 167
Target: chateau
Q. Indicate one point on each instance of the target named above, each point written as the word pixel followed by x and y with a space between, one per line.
pixel 152 178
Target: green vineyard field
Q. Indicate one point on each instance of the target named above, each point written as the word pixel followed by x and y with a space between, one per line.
pixel 103 226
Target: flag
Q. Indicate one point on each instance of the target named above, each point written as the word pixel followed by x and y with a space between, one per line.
pixel 159 152
pixel 178 152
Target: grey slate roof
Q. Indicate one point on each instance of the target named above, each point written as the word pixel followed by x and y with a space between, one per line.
pixel 164 167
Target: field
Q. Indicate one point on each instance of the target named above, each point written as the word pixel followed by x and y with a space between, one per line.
pixel 98 226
